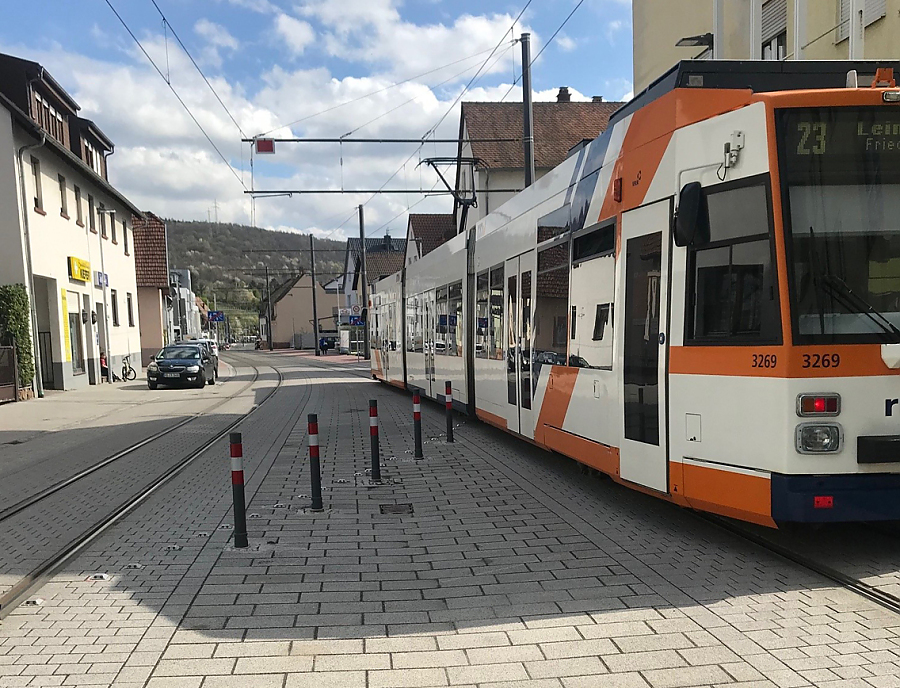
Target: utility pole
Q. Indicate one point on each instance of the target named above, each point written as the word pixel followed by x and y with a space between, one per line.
pixel 312 267
pixel 268 310
pixel 528 111
pixel 107 335
pixel 365 284
pixel 215 308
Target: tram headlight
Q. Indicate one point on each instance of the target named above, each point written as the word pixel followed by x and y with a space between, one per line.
pixel 818 438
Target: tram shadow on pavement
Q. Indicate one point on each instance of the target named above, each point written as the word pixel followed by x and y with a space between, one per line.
pixel 489 546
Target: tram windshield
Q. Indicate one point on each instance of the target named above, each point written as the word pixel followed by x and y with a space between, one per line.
pixel 840 171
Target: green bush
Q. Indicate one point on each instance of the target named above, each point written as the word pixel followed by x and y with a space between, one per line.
pixel 15 329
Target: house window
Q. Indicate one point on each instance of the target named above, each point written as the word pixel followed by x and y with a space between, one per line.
pixel 63 201
pixel 36 175
pixel 92 157
pixel 774 30
pixel 873 10
pixel 92 215
pixel 114 305
pixel 79 213
pixel 103 222
pixel 733 290
pixel 112 224
pixel 130 305
pixel 125 237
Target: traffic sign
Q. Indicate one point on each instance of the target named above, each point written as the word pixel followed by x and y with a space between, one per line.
pixel 355 310
pixel 356 321
pixel 216 316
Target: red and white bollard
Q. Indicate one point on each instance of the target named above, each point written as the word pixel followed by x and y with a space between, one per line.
pixel 448 401
pixel 373 433
pixel 237 489
pixel 417 425
pixel 314 466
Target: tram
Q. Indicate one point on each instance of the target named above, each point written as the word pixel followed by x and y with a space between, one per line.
pixel 702 303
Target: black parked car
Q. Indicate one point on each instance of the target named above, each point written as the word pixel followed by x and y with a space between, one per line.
pixel 181 364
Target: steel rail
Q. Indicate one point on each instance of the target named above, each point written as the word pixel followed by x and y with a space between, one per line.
pixel 879 597
pixel 56 487
pixel 38 576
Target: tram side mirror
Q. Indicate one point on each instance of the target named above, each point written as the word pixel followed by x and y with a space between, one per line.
pixel 692 218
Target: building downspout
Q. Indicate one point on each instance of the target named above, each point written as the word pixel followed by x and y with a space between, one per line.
pixel 29 272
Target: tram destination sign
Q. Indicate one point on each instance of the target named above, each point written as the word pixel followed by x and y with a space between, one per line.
pixel 841 145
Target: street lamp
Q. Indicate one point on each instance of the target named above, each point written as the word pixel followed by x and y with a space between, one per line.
pixel 107 335
pixel 703 40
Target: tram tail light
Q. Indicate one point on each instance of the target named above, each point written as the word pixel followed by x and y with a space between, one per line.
pixel 891 96
pixel 823 502
pixel 818 404
pixel 818 438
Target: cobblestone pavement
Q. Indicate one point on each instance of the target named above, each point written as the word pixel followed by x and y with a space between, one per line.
pixel 37 533
pixel 46 440
pixel 513 569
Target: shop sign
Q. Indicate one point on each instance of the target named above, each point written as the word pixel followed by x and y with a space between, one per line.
pixel 101 279
pixel 79 269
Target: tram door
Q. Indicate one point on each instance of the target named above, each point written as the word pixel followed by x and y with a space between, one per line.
pixel 428 342
pixel 519 315
pixel 642 341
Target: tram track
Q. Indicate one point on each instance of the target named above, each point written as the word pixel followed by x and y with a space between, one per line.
pixel 38 575
pixel 870 592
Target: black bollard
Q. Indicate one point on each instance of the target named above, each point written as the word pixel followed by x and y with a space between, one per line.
pixel 448 400
pixel 373 432
pixel 237 490
pixel 315 469
pixel 417 425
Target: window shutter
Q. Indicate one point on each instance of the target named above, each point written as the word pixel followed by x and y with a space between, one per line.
pixel 774 19
pixel 872 12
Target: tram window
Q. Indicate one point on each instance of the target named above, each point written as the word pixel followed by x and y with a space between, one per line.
pixel 455 320
pixel 441 322
pixel 733 289
pixel 598 242
pixel 412 319
pixel 553 224
pixel 593 292
pixel 482 340
pixel 551 313
pixel 600 320
pixel 496 314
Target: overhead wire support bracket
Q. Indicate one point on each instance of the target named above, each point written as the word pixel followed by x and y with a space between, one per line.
pixel 433 163
pixel 344 139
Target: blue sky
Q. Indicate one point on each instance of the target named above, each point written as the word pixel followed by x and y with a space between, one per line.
pixel 276 61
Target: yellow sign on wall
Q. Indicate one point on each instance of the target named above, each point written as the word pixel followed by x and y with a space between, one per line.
pixel 67 340
pixel 79 269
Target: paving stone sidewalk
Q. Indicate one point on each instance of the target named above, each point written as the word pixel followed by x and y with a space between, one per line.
pixel 512 569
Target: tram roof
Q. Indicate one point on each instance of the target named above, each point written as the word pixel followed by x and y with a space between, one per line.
pixel 758 76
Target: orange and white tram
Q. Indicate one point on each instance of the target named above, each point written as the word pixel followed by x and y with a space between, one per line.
pixel 703 302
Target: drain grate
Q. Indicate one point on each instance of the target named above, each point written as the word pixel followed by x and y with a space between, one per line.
pixel 396 508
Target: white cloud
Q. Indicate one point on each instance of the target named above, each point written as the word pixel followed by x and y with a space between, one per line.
pixel 296 34
pixel 215 34
pixel 565 43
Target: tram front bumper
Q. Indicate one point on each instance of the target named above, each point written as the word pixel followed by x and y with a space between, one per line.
pixel 835 498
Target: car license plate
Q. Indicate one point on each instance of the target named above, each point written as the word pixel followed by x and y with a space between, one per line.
pixel 171 374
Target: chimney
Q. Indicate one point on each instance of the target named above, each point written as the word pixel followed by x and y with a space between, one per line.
pixel 596 99
pixel 387 242
pixel 563 96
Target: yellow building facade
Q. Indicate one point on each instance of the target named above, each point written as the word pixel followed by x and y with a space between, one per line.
pixel 760 29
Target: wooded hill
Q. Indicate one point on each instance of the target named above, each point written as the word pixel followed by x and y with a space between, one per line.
pixel 230 260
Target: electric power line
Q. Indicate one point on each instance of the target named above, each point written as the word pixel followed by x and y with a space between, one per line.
pixel 194 62
pixel 544 47
pixel 372 93
pixel 172 88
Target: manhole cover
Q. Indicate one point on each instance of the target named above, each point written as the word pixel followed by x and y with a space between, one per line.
pixel 396 508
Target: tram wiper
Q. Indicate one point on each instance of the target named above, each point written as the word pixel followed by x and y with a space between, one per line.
pixel 854 302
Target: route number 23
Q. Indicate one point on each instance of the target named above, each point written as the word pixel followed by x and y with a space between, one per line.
pixel 812 138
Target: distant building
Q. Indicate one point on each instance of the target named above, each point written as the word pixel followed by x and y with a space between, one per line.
pixel 292 313
pixel 65 231
pixel 185 311
pixel 780 30
pixel 500 172
pixel 152 265
pixel 384 256
pixel 425 232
